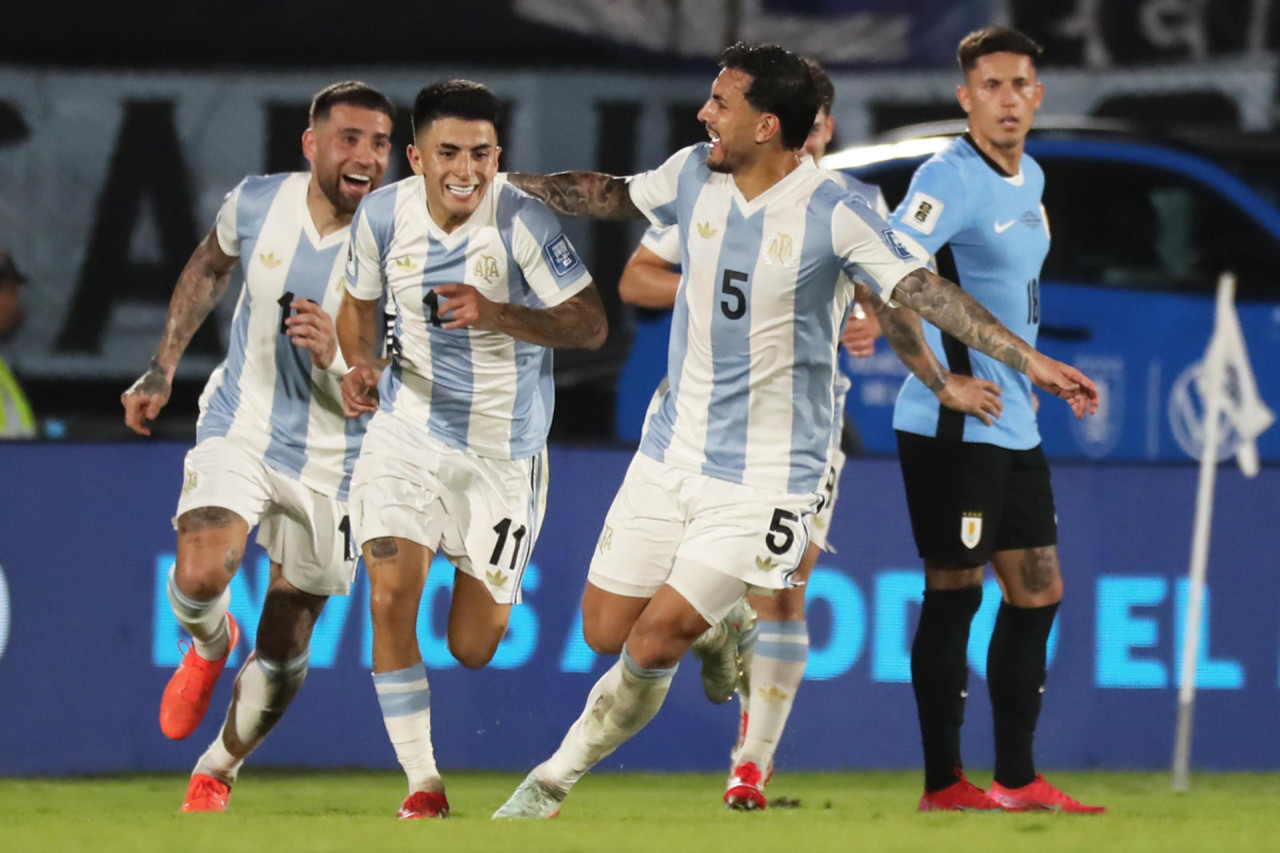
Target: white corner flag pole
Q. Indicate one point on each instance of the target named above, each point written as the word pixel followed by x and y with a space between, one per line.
pixel 1214 367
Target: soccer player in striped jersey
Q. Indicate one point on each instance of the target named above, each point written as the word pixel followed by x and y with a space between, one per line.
pixel 767 663
pixel 274 449
pixel 717 501
pixel 484 283
pixel 979 491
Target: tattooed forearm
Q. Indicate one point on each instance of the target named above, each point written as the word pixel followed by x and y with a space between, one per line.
pixel 200 286
pixel 593 195
pixel 901 328
pixel 577 323
pixel 963 317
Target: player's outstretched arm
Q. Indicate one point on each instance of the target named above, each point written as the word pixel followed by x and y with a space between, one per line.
pixel 970 395
pixel 577 323
pixel 648 281
pixel 358 337
pixel 200 286
pixel 593 195
pixel 954 311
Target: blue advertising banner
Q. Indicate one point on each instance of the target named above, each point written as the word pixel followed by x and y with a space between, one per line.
pixel 87 640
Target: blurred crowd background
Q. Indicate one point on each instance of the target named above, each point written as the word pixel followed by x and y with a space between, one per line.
pixel 122 126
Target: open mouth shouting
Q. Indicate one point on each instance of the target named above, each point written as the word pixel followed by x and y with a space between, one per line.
pixel 358 182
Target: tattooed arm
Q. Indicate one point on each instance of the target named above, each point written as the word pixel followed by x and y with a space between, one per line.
pixel 901 328
pixel 963 317
pixel 200 286
pixel 576 323
pixel 593 195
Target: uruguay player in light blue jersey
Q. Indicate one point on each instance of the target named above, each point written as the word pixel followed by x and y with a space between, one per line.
pixel 717 502
pixel 978 488
pixel 273 446
pixel 484 283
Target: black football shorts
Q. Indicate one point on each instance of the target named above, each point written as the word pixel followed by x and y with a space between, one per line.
pixel 969 500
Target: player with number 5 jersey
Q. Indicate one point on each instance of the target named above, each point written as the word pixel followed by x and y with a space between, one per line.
pixel 273 447
pixel 484 282
pixel 717 501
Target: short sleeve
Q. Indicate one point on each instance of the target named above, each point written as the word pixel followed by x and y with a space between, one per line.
pixel 551 265
pixel 663 242
pixel 869 249
pixel 225 227
pixel 654 192
pixel 933 210
pixel 366 279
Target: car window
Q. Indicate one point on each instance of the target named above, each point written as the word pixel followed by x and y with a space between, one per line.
pixel 1132 226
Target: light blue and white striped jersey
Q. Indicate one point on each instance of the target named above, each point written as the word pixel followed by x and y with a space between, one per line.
pixel 267 395
pixel 765 285
pixel 474 390
pixel 990 235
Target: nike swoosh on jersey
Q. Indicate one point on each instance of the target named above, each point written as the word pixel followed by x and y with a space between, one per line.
pixel 1002 227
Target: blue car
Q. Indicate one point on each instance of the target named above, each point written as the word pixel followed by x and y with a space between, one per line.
pixel 1142 228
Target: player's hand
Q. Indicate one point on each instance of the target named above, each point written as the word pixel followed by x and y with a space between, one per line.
pixel 465 307
pixel 973 396
pixel 1064 381
pixel 145 398
pixel 360 391
pixel 312 329
pixel 860 332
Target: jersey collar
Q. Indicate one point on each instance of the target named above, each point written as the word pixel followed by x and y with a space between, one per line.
pixel 995 167
pixel 797 176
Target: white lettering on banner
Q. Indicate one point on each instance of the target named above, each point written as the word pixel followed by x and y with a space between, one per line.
pixel 4 613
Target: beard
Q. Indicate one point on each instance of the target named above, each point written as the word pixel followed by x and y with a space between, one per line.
pixel 342 203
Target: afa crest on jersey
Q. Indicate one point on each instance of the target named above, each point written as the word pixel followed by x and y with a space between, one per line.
pixel 971 529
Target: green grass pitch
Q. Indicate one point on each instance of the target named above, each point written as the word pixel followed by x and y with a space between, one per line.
pixel 274 810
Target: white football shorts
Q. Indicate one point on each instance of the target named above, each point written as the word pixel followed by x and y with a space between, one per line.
pixel 666 522
pixel 483 514
pixel 828 492
pixel 307 533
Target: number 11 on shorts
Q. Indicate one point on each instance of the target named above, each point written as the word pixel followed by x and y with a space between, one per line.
pixel 502 528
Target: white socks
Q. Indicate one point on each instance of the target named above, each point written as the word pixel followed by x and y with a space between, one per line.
pixel 620 704
pixel 405 698
pixel 206 621
pixel 776 669
pixel 263 691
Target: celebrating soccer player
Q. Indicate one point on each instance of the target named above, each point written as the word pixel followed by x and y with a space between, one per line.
pixel 718 500
pixel 273 447
pixel 484 283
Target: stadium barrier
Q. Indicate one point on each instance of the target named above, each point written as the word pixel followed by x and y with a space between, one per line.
pixel 87 640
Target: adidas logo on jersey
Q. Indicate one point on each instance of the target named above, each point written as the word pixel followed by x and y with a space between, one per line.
pixel 705 231
pixel 406 263
pixel 764 564
pixel 269 260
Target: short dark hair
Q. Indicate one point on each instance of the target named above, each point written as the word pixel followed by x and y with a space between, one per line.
pixel 826 89
pixel 781 84
pixel 461 99
pixel 351 92
pixel 989 40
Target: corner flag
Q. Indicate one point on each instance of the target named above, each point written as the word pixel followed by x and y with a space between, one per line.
pixel 1230 394
pixel 1226 372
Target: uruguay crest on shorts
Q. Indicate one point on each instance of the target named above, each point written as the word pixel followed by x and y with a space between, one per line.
pixel 971 529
